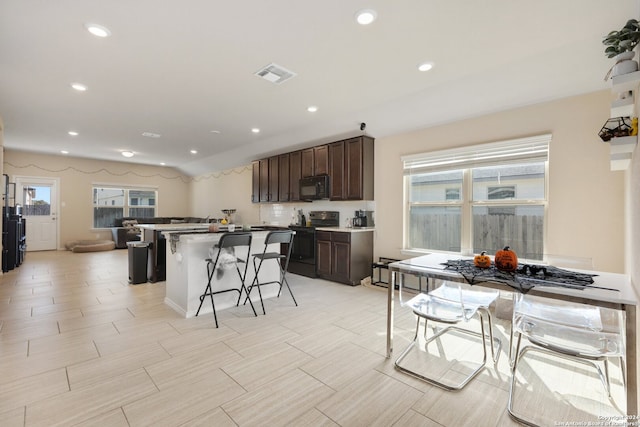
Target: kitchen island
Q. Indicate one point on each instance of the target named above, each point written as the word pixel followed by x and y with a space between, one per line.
pixel 186 271
pixel 152 235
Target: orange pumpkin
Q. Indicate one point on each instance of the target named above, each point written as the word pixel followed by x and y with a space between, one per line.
pixel 482 260
pixel 506 260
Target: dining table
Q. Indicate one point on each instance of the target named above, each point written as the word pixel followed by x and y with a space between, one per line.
pixel 611 290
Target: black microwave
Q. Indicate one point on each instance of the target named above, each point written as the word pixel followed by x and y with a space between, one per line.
pixel 314 187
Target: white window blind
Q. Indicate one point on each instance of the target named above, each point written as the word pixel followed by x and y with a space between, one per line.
pixel 533 148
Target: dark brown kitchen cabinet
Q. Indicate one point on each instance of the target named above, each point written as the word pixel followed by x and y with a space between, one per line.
pixel 323 254
pixel 351 169
pixel 321 160
pixel 265 176
pixel 348 163
pixel 264 180
pixel 358 172
pixel 344 257
pixel 295 173
pixel 307 162
pixel 255 182
pixel 273 178
pixel 336 171
pixel 284 193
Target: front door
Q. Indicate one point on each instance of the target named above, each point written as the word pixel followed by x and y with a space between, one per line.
pixel 39 200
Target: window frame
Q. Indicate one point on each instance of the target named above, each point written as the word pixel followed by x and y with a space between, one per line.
pixel 126 197
pixel 467 203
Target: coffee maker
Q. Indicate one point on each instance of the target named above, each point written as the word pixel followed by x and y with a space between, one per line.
pixel 363 219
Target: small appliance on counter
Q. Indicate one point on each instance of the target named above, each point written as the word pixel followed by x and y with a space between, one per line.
pixel 363 219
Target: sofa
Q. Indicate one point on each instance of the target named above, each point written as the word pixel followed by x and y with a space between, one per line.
pixel 125 229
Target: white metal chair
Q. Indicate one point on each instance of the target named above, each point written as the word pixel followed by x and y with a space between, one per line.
pixel 273 237
pixel 451 303
pixel 579 332
pixel 226 252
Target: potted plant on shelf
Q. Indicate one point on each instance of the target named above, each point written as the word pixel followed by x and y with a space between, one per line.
pixel 620 45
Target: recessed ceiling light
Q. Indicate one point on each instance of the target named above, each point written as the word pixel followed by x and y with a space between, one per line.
pixel 97 30
pixel 255 130
pixel 73 133
pixel 128 153
pixel 163 164
pixel 64 151
pixel 366 16
pixel 194 151
pixel 215 131
pixel 312 108
pixel 79 87
pixel 425 66
pixel 151 135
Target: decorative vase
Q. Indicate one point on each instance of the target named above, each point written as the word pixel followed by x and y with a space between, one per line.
pixel 624 64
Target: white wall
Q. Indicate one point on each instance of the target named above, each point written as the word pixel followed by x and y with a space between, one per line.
pixel 229 189
pixel 633 222
pixel 586 199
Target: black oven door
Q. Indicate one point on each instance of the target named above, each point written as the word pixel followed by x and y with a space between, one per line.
pixel 303 252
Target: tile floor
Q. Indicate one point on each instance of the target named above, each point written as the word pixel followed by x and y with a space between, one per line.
pixel 79 346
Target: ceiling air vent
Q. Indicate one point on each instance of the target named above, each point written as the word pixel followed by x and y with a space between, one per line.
pixel 275 73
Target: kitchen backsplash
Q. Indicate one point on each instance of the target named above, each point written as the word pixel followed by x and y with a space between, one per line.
pixel 284 214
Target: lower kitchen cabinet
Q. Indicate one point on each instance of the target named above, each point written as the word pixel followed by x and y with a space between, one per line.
pixel 344 257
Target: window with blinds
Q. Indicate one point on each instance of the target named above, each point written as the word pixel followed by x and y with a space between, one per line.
pixel 478 198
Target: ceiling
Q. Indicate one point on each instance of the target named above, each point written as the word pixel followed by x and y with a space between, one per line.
pixel 184 69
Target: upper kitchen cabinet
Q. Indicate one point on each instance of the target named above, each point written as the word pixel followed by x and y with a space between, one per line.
pixel 284 192
pixel 274 167
pixel 348 163
pixel 351 169
pixel 358 167
pixel 307 162
pixel 264 180
pixel 295 173
pixel 336 171
pixel 321 160
pixel 255 181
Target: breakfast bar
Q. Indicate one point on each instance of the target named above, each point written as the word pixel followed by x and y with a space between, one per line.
pixel 186 271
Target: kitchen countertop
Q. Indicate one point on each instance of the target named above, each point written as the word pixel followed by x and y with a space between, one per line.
pixel 174 227
pixel 346 229
pixel 202 228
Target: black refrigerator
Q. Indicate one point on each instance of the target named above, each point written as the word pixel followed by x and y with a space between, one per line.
pixel 14 232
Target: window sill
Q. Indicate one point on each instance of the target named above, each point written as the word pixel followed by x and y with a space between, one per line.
pixel 420 252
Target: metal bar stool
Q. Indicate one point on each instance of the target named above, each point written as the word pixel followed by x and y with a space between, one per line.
pixel 227 249
pixel 274 237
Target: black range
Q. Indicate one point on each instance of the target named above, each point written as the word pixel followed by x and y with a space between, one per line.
pixel 303 253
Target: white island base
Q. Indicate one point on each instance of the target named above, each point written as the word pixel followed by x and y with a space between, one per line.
pixel 187 273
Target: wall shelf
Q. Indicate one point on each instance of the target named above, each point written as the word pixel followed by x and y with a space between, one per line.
pixel 623 107
pixel 625 82
pixel 621 149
